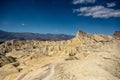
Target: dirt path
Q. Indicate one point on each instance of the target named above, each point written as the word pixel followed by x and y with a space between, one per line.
pixel 50 73
pixel 37 74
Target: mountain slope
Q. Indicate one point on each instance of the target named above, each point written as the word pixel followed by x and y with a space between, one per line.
pixel 32 36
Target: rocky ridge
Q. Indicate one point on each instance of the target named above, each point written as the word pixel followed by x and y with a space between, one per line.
pixel 117 35
pixel 86 57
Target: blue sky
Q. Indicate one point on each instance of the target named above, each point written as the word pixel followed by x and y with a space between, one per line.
pixel 60 16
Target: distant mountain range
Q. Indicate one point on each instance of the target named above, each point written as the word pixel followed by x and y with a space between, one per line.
pixel 4 35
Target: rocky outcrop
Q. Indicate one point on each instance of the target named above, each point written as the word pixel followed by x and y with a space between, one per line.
pixel 86 54
pixel 6 60
pixel 117 35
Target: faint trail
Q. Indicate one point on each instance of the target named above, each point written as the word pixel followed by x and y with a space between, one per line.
pixel 36 75
pixel 51 72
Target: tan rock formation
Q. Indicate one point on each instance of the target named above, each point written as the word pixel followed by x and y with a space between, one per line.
pixel 86 57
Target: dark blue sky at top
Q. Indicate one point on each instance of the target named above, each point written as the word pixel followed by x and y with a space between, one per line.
pixel 53 16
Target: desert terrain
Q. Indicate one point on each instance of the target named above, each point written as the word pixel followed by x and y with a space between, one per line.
pixel 84 57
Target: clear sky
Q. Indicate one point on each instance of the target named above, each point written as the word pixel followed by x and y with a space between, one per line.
pixel 60 16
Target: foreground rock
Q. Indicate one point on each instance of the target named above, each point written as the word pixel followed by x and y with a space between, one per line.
pixel 86 57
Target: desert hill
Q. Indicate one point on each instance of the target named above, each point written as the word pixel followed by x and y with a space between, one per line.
pixel 84 57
